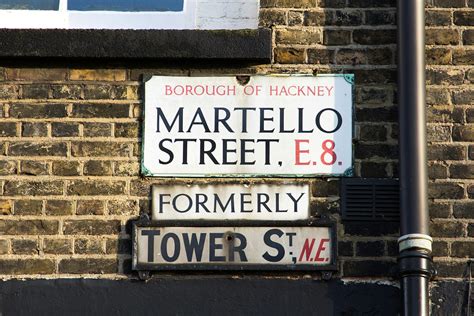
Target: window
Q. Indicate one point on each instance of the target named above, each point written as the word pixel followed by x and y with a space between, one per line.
pixel 129 14
pixel 29 5
pixel 98 14
pixel 132 29
pixel 125 5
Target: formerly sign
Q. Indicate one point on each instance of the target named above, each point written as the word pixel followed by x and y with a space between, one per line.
pixel 269 126
pixel 303 248
pixel 231 202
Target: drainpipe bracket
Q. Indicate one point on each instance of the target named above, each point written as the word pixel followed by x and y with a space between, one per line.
pixel 410 241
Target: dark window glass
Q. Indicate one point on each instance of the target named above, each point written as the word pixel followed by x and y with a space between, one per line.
pixel 29 4
pixel 125 5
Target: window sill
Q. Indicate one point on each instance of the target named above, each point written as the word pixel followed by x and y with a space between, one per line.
pixel 246 45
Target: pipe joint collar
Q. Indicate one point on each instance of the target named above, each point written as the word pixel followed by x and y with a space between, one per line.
pixel 410 241
pixel 416 263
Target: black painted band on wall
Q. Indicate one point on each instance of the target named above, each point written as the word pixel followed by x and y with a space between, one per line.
pixel 197 296
pixel 245 45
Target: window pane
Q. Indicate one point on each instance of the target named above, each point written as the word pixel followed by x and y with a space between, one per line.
pixel 29 4
pixel 125 5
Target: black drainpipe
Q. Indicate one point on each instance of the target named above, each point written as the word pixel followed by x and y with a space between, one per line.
pixel 415 263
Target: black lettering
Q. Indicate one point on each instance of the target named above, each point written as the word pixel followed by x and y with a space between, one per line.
pixel 301 122
pixel 262 202
pixel 201 203
pixel 185 147
pixel 244 151
pixel 243 202
pixel 282 122
pixel 233 248
pixel 194 246
pixel 290 238
pixel 223 207
pixel 218 120
pixel 267 148
pixel 178 116
pixel 244 117
pixel 151 242
pixel 277 204
pixel 213 246
pixel 166 150
pixel 162 202
pixel 164 247
pixel 318 121
pixel 199 119
pixel 267 239
pixel 226 150
pixel 175 203
pixel 295 201
pixel 263 119
pixel 207 152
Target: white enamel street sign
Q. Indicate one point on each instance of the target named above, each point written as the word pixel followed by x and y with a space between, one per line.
pixel 271 126
pixel 162 248
pixel 276 202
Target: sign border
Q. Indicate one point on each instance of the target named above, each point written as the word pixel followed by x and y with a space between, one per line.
pixel 349 172
pixel 144 221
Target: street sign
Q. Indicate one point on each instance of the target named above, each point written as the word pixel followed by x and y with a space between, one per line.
pixel 276 202
pixel 269 126
pixel 159 247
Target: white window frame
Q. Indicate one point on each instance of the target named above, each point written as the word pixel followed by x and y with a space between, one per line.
pixel 64 19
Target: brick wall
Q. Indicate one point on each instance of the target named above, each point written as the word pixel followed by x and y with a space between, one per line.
pixel 70 149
